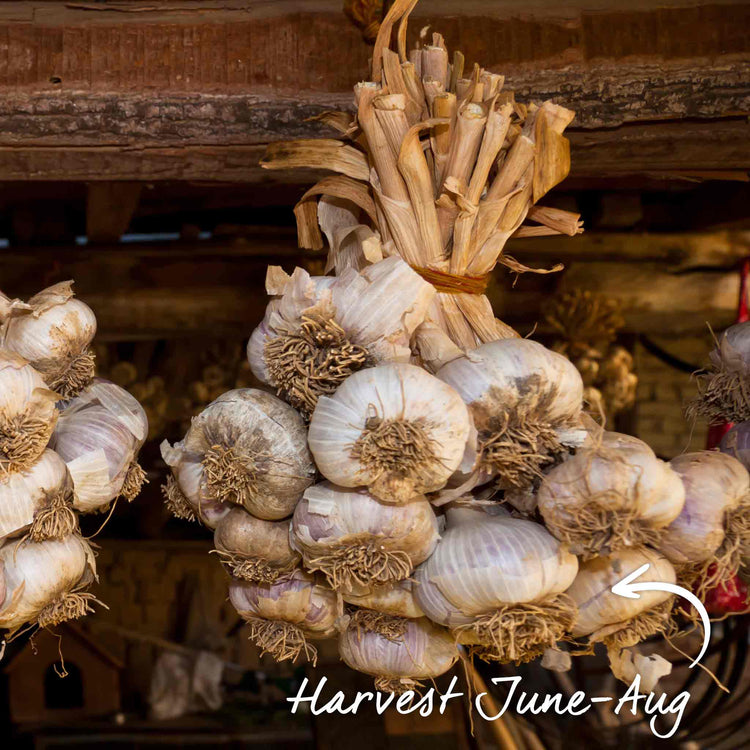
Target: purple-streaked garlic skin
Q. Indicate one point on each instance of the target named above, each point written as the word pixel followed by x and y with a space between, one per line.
pixel 736 443
pixel 733 351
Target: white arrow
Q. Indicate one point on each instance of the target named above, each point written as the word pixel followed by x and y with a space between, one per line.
pixel 627 588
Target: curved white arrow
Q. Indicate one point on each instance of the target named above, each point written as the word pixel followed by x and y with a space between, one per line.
pixel 627 588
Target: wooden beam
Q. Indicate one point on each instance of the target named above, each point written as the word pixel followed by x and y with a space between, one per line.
pixel 109 208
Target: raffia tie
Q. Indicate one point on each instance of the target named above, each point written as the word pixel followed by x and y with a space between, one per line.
pixel 450 283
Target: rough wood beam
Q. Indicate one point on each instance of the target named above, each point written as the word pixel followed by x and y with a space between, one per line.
pixel 109 208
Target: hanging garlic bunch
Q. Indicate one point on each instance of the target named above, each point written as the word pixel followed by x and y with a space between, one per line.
pixel 98 435
pixel 416 650
pixel 285 614
pixel 252 549
pixel 356 540
pixel 27 413
pixel 613 493
pixel 186 493
pixel 317 333
pixel 253 451
pixel 618 621
pixel 525 401
pixel 38 501
pixel 394 429
pixel 710 537
pixel 54 336
pixel 44 581
pixel 498 583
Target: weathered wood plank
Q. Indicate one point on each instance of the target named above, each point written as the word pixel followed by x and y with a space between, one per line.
pixel 109 209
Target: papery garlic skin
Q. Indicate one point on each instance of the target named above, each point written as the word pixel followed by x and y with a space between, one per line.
pixel 518 390
pixel 54 336
pixel 42 580
pixel 599 607
pixel 27 413
pixel 613 493
pixel 38 500
pixel 715 485
pixel 736 443
pixel 355 539
pixel 253 549
pixel 395 599
pixel 254 452
pixel 423 651
pixel 422 423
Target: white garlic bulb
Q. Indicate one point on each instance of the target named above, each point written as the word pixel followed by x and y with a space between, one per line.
pixel 317 333
pixel 498 582
pixel 252 549
pixel 712 533
pixel 253 448
pixel 416 650
pixel 394 428
pixel 98 436
pixel 185 492
pixel 356 540
pixel 44 581
pixel 38 500
pixel 27 413
pixel 613 493
pixel 395 599
pixel 525 401
pixel 284 614
pixel 617 620
pixel 55 336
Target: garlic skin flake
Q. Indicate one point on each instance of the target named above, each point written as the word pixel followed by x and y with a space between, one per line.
pixel 395 599
pixel 525 401
pixel 27 413
pixel 283 615
pixel 613 493
pixel 38 501
pixel 421 651
pixel 394 429
pixel 55 336
pixel 43 581
pixel 320 331
pixel 253 449
pixel 356 540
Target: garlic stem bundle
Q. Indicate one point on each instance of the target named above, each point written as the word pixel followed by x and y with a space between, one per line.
pixel 285 614
pixel 314 335
pixel 613 493
pixel 252 549
pixel 709 539
pixel 98 435
pixel 27 413
pixel 38 500
pixel 54 336
pixel 356 540
pixel 253 450
pixel 416 650
pixel 619 621
pixel 498 583
pixel 394 599
pixel 186 494
pixel 525 401
pixel 44 581
pixel 394 429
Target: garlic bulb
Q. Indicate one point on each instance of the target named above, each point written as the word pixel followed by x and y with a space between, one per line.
pixel 613 493
pixel 254 452
pixel 185 492
pixel 498 583
pixel 98 436
pixel 55 336
pixel 317 333
pixel 395 599
pixel 38 500
pixel 27 413
pixel 394 428
pixel 283 615
pixel 616 620
pixel 709 539
pixel 44 581
pixel 252 549
pixel 525 401
pixel 736 443
pixel 356 540
pixel 417 650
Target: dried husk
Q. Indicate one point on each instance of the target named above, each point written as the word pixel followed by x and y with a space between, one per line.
pixel 394 599
pixel 356 540
pixel 317 154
